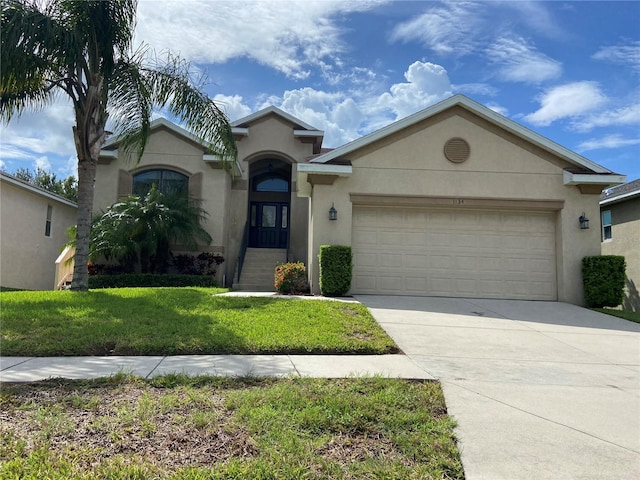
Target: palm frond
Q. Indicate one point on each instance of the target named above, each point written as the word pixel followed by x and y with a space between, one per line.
pixel 143 82
pixel 34 48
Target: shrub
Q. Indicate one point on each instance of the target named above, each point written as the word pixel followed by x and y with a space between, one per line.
pixel 204 264
pixel 291 278
pixel 151 280
pixel 335 269
pixel 603 277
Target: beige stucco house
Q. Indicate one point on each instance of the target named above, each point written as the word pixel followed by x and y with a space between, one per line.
pixel 620 233
pixel 33 224
pixel 455 200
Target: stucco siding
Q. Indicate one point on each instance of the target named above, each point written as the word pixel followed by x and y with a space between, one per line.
pixel 411 163
pixel 167 150
pixel 625 241
pixel 27 255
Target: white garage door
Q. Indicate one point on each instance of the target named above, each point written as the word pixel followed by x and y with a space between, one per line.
pixel 455 253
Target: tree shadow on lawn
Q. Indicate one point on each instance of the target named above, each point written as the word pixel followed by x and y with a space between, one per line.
pixel 96 323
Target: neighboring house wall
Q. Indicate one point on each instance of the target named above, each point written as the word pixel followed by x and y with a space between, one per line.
pixel 27 253
pixel 625 241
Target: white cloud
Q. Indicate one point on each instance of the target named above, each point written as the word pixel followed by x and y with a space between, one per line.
pixel 337 114
pixel 47 131
pixel 347 116
pixel 284 35
pixel 497 108
pixel 520 62
pixel 426 84
pixel 610 141
pixel 446 29
pixel 621 55
pixel 42 163
pixel 567 101
pixel 627 115
pixel 232 106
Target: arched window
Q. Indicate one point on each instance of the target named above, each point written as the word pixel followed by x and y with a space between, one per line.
pixel 271 183
pixel 167 181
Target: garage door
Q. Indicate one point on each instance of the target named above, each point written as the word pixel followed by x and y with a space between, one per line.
pixel 455 253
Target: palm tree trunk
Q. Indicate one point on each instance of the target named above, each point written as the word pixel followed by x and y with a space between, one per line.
pixel 89 134
pixel 86 184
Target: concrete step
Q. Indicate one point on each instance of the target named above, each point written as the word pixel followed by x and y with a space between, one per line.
pixel 258 269
pixel 254 287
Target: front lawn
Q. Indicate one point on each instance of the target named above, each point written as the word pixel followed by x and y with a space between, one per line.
pixel 182 321
pixel 626 314
pixel 204 427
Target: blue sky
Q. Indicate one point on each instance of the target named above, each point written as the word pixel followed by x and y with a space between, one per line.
pixel 567 70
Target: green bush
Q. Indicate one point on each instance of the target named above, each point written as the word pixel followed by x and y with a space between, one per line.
pixel 603 277
pixel 150 280
pixel 291 278
pixel 335 270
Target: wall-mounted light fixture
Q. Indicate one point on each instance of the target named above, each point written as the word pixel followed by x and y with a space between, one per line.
pixel 584 221
pixel 333 213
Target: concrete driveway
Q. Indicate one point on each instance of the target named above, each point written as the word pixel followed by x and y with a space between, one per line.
pixel 540 390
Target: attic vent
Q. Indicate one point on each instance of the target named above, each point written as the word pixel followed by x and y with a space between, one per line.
pixel 457 150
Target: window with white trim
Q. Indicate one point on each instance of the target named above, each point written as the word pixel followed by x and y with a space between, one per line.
pixel 606 225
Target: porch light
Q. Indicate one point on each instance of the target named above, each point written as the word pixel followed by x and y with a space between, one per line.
pixel 333 213
pixel 584 222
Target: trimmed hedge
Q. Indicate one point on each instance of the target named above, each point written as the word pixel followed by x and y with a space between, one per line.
pixel 336 269
pixel 151 280
pixel 603 277
pixel 291 278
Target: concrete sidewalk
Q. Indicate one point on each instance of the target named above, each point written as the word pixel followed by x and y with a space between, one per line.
pixel 31 369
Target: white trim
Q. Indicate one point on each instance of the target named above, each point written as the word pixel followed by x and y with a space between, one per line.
pixel 308 133
pixel 243 132
pixel 481 111
pixel 589 179
pixel 237 169
pixel 271 109
pixel 324 169
pixel 306 169
pixel 37 190
pixel 110 154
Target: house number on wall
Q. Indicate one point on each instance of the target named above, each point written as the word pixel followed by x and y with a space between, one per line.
pixel 458 201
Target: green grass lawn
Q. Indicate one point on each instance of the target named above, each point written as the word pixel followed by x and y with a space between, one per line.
pixel 203 428
pixel 627 315
pixel 172 321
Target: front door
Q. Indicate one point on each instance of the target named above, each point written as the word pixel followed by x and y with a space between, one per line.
pixel 269 227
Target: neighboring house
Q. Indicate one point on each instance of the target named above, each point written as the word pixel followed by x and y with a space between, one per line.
pixel 620 227
pixel 455 200
pixel 33 224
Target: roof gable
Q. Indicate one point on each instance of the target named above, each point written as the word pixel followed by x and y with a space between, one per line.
pixel 160 123
pixel 245 122
pixel 479 110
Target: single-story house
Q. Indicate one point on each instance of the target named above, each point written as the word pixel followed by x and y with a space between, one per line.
pixel 455 200
pixel 620 229
pixel 33 224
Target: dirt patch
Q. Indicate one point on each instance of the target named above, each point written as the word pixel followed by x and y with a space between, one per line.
pixel 163 427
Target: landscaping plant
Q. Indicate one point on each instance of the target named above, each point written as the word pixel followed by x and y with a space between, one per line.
pixel 291 278
pixel 604 278
pixel 335 269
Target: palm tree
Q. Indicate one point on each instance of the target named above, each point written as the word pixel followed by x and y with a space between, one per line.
pixel 83 49
pixel 139 230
